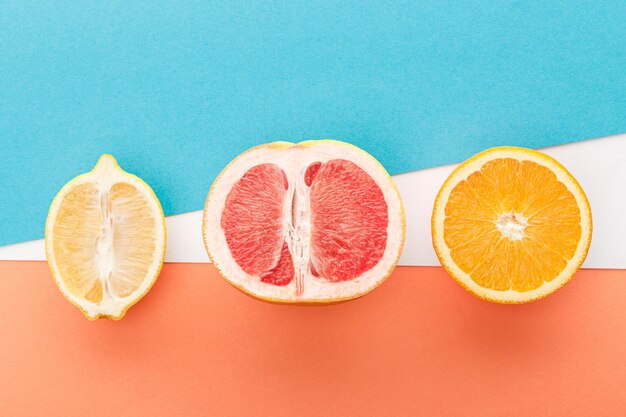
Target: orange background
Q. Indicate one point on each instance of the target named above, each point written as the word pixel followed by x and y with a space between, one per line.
pixel 418 345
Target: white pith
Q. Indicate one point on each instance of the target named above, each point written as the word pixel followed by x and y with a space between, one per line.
pixel 511 228
pixel 512 225
pixel 294 159
pixel 104 176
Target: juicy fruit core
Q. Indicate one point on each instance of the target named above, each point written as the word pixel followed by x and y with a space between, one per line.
pixel 512 225
pixel 324 221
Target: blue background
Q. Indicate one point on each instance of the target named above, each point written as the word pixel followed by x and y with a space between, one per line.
pixel 175 90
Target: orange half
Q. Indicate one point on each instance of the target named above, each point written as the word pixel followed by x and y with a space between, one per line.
pixel 511 225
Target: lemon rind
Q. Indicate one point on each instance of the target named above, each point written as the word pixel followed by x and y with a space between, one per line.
pixel 84 305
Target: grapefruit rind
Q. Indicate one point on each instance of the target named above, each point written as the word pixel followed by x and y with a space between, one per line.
pixel 474 164
pixel 317 292
pixel 107 166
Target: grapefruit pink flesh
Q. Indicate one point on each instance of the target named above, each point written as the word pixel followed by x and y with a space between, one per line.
pixel 348 221
pixel 337 234
pixel 252 219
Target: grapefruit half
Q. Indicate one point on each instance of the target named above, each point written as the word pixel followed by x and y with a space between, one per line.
pixel 313 222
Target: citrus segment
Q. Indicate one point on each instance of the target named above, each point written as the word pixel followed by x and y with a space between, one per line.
pixel 74 230
pixel 252 218
pixel 511 225
pixel 283 272
pixel 134 228
pixel 105 240
pixel 319 221
pixel 348 221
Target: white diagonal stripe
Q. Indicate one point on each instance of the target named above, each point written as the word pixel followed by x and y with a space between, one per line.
pixel 599 165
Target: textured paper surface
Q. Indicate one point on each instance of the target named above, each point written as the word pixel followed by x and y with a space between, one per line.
pixel 417 345
pixel 176 89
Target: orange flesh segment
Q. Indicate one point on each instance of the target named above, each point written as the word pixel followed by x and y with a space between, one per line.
pixel 545 211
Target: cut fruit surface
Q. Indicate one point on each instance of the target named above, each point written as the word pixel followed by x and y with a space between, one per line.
pixel 105 240
pixel 313 222
pixel 511 225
